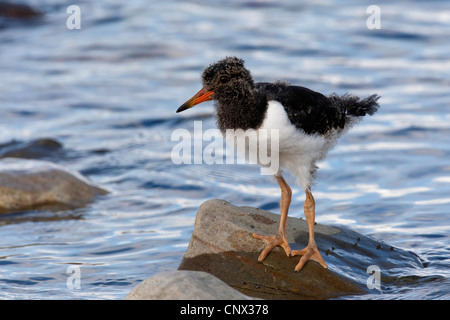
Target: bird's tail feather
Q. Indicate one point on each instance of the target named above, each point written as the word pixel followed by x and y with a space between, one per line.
pixel 359 107
pixel 356 106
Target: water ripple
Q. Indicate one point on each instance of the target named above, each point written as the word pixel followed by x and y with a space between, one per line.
pixel 109 91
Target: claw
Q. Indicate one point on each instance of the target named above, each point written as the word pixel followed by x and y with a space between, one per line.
pixel 272 242
pixel 309 253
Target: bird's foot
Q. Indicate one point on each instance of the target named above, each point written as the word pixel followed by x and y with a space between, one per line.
pixel 309 253
pixel 272 242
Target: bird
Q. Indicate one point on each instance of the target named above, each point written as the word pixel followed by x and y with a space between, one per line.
pixel 308 125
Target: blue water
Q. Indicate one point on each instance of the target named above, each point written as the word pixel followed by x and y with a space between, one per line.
pixel 108 92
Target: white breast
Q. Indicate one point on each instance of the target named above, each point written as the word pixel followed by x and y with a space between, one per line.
pixel 297 152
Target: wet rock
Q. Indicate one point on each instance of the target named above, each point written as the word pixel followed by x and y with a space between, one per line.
pixel 35 149
pixel 184 285
pixel 31 184
pixel 222 245
pixel 17 10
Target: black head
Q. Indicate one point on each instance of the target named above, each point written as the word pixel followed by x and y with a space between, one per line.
pixel 222 80
pixel 226 73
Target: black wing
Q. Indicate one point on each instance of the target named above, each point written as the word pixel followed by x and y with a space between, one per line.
pixel 308 110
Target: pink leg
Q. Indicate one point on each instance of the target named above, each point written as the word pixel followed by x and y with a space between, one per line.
pixel 310 252
pixel 280 238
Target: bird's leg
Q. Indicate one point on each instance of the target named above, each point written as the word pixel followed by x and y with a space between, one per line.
pixel 310 252
pixel 280 238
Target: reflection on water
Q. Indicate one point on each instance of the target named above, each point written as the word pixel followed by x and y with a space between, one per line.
pixel 108 93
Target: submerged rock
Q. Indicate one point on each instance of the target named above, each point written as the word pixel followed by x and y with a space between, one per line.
pixel 35 149
pixel 184 285
pixel 18 10
pixel 222 245
pixel 31 184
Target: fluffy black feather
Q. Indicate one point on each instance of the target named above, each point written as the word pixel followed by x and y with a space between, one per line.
pixel 242 104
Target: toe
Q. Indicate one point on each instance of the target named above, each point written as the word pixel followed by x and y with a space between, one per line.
pixel 309 253
pixel 272 242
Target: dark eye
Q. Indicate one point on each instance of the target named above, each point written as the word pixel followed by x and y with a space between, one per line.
pixel 224 79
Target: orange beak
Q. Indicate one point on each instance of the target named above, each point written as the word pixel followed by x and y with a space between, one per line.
pixel 200 97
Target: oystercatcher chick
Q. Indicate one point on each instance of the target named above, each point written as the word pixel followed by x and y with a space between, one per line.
pixel 308 125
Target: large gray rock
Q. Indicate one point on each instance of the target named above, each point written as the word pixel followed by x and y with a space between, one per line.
pixel 30 184
pixel 184 285
pixel 222 244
